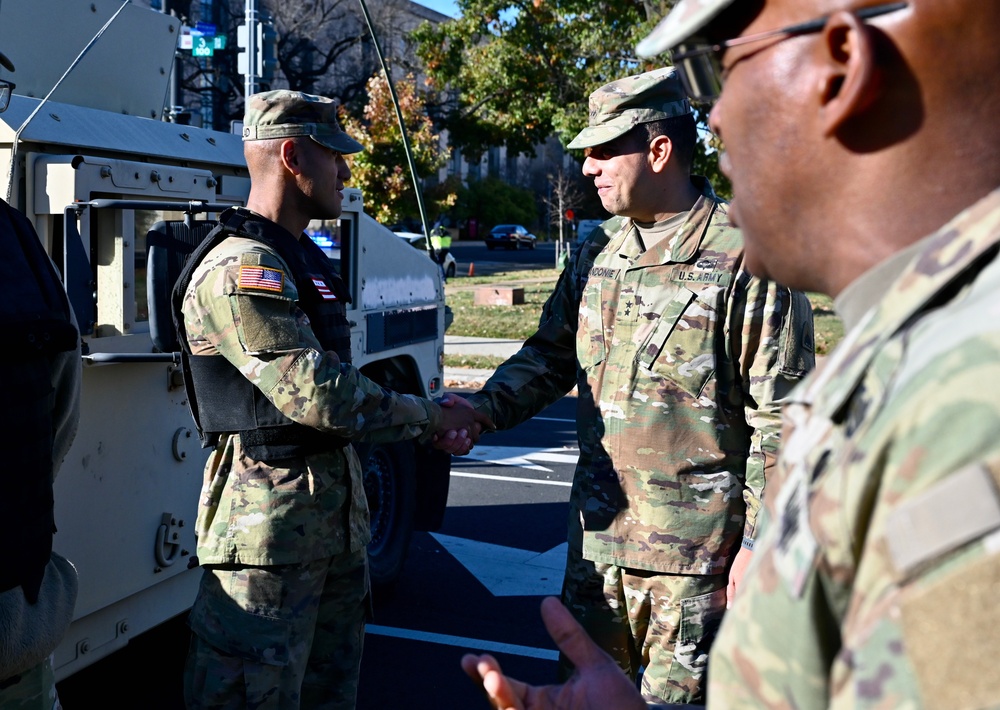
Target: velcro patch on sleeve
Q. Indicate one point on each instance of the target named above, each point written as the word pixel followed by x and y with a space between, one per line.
pixel 952 512
pixel 261 278
pixel 950 636
pixel 324 291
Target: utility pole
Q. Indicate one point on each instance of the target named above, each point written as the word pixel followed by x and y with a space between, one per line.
pixel 249 38
pixel 174 108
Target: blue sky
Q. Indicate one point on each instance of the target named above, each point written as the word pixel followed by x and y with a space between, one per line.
pixel 448 7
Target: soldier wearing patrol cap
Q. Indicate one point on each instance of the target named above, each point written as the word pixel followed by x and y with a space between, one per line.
pixel 283 522
pixel 682 360
pixel 861 139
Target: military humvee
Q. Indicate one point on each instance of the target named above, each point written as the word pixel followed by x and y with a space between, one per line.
pixel 118 196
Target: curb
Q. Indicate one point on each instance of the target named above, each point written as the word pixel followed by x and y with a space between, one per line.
pixel 466 377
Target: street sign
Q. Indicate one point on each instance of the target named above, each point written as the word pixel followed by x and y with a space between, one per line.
pixel 203 47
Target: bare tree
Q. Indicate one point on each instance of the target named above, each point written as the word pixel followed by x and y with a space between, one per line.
pixel 322 46
pixel 564 194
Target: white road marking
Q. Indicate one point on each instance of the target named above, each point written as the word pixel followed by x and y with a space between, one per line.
pixel 509 571
pixel 515 479
pixel 522 456
pixel 463 642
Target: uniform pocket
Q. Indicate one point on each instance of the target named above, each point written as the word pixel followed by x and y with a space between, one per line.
pixel 265 323
pixel 591 349
pixel 700 620
pixel 680 345
pixel 224 625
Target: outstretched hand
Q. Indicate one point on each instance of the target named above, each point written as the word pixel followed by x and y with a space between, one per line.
pixel 597 684
pixel 461 425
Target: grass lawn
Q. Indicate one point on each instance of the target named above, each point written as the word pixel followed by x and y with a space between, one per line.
pixel 504 276
pixel 518 322
pixel 826 324
pixel 475 362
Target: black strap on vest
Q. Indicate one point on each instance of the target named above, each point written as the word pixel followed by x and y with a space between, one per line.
pixel 222 400
pixel 232 403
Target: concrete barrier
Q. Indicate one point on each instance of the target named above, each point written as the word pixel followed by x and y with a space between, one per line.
pixel 499 295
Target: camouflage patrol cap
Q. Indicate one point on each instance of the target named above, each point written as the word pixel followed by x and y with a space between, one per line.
pixel 285 114
pixel 687 17
pixel 616 107
pixel 6 63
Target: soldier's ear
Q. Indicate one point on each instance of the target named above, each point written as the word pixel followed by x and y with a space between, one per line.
pixel 849 78
pixel 289 154
pixel 661 149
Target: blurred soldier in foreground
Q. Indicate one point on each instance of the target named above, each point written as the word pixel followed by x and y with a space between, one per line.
pixel 680 357
pixel 38 419
pixel 283 522
pixel 861 139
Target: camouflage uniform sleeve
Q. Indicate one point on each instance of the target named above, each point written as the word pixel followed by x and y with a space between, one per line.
pixel 267 337
pixel 544 369
pixel 774 352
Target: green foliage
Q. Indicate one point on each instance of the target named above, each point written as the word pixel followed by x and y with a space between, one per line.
pixel 522 71
pixel 493 202
pixel 381 170
pixel 517 72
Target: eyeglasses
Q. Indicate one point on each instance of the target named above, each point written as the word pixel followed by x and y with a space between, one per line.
pixel 700 66
pixel 5 88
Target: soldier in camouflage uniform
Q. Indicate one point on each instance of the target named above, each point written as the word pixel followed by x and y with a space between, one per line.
pixel 283 521
pixel 680 357
pixel 874 582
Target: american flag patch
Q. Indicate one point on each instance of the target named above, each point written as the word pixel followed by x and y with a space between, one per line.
pixel 261 278
pixel 324 290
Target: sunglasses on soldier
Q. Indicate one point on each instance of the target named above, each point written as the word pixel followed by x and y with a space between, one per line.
pixel 699 65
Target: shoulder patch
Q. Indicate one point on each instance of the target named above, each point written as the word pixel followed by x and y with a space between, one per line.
pixel 324 291
pixel 949 633
pixel 952 512
pixel 261 278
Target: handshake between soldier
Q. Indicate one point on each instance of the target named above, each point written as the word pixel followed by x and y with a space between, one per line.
pixel 461 426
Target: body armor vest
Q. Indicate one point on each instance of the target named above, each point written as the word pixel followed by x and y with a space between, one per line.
pixel 222 400
pixel 34 317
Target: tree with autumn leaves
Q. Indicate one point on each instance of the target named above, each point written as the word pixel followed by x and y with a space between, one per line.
pixel 380 170
pixel 514 72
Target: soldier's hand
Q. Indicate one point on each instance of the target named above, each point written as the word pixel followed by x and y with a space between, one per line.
pixel 736 573
pixel 461 426
pixel 598 683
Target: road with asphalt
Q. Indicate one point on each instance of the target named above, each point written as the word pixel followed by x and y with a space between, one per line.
pixel 487 262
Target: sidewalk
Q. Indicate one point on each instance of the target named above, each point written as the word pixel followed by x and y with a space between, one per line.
pixel 464 345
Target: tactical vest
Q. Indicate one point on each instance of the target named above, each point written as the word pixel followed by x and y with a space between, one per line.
pixel 221 398
pixel 36 325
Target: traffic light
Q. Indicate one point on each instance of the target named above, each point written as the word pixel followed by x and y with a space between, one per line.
pixel 266 61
